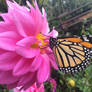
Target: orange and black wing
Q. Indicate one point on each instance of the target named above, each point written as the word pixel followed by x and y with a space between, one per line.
pixel 72 54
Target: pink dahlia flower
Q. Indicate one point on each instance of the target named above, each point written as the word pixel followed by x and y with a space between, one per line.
pixel 33 88
pixel 24 55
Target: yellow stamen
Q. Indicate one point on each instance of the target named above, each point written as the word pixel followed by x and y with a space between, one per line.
pixel 41 38
pixel 35 45
pixel 41 41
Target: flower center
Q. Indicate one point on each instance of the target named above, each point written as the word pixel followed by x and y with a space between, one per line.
pixel 41 41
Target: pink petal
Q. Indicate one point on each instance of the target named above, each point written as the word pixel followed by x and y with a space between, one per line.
pixel 10 34
pixel 16 90
pixel 45 26
pixel 27 52
pixel 23 21
pixel 37 18
pixel 52 58
pixel 22 67
pixel 44 71
pixel 7 44
pixel 41 88
pixel 12 85
pixel 53 33
pixel 8 60
pixel 4 26
pixel 36 63
pixel 26 41
pixel 19 25
pixel 2 51
pixel 53 61
pixel 7 24
pixel 26 86
pixel 16 6
pixel 27 78
pixel 16 12
pixel 24 48
pixel 7 77
pixel 40 21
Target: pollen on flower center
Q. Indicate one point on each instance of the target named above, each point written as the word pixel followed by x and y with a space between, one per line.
pixel 40 43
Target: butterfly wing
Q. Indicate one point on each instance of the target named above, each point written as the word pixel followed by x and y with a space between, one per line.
pixel 72 55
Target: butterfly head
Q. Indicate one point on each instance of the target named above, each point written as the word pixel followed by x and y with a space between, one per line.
pixel 52 42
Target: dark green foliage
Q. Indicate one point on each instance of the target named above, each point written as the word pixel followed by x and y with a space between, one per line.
pixel 83 81
pixel 3 7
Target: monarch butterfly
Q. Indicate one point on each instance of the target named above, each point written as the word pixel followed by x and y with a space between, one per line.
pixel 72 54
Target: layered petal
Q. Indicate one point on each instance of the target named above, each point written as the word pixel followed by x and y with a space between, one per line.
pixel 44 70
pixel 36 63
pixel 4 26
pixel 10 34
pixel 7 77
pixel 29 77
pixel 8 60
pixel 53 61
pixel 8 40
pixel 22 67
pixel 40 20
pixel 12 85
pixel 24 49
pixel 7 44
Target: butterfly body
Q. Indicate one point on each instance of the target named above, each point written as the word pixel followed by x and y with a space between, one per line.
pixel 72 54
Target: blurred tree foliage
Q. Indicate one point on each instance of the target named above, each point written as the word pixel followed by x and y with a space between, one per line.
pixel 81 82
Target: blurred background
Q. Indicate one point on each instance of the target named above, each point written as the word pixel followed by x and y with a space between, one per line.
pixel 69 17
